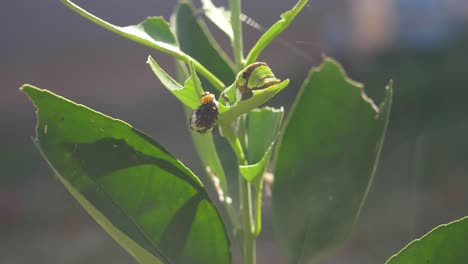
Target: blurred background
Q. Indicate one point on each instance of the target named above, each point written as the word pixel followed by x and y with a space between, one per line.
pixel 421 44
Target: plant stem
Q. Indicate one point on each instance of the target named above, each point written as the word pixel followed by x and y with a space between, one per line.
pixel 248 237
pixel 236 23
pixel 248 226
pixel 245 189
pixel 258 208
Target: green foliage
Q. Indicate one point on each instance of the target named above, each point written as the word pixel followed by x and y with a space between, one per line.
pixel 158 210
pixel 444 244
pixel 325 161
pixel 146 199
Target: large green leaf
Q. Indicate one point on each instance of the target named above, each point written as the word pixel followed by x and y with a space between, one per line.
pixel 146 199
pixel 154 32
pixel 325 161
pixel 444 244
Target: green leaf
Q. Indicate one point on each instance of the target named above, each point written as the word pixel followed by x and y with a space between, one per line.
pixel 274 31
pixel 325 161
pixel 154 32
pixel 229 114
pixel 195 40
pixel 146 199
pixel 219 16
pixel 254 171
pixel 444 244
pixel 262 126
pixel 262 129
pixel 187 94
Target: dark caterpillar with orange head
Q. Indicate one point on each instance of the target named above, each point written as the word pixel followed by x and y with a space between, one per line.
pixel 205 116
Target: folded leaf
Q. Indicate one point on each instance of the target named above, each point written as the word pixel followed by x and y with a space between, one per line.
pixel 262 126
pixel 229 114
pixel 325 161
pixel 146 199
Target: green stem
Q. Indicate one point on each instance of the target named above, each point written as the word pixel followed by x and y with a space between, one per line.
pixel 248 225
pixel 245 189
pixel 237 148
pixel 258 208
pixel 236 23
pixel 245 192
